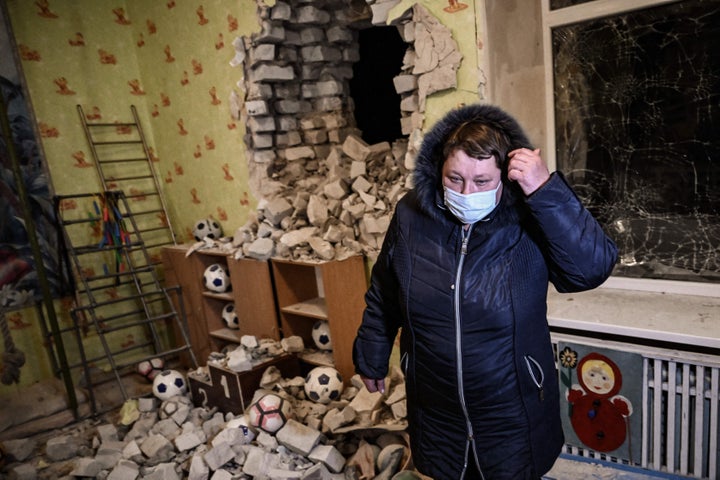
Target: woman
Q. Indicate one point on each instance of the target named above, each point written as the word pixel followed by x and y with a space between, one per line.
pixel 464 272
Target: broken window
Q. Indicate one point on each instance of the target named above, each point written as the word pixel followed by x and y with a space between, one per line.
pixel 636 127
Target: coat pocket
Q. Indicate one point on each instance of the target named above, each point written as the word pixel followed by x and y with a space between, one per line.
pixel 537 375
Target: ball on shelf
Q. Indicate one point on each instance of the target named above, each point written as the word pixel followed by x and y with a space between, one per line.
pixel 207 227
pixel 168 384
pixel 323 384
pixel 269 413
pixel 216 278
pixel 150 368
pixel 321 335
pixel 229 316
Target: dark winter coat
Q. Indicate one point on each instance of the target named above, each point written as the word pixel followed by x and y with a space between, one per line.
pixel 475 345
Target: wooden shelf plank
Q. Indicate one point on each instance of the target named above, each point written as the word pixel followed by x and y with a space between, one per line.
pixel 227 334
pixel 318 357
pixel 313 308
pixel 218 296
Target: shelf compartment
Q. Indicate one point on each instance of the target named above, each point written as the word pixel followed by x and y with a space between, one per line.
pixel 318 358
pixel 227 334
pixel 334 291
pixel 313 308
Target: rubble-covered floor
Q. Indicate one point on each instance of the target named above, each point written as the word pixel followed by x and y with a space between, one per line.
pixel 50 424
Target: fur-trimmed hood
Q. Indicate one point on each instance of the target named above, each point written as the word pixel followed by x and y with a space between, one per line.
pixel 428 165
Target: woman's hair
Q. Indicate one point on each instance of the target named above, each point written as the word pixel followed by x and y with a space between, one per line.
pixel 478 140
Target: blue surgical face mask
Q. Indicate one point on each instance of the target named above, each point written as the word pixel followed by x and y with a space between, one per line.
pixel 472 207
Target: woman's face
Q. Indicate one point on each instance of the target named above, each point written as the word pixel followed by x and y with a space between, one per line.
pixel 465 174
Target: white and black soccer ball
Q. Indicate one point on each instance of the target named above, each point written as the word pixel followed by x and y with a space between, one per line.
pixel 269 413
pixel 150 368
pixel 207 227
pixel 216 278
pixel 323 384
pixel 169 383
pixel 229 316
pixel 321 335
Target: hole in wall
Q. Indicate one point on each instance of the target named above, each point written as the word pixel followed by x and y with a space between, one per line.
pixel 376 102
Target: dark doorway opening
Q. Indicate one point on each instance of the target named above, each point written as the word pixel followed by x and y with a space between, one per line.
pixel 377 104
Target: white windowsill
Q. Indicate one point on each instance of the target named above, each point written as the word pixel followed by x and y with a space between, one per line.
pixel 677 312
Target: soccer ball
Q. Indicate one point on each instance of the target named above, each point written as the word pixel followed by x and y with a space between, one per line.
pixel 229 316
pixel 168 384
pixel 216 278
pixel 207 227
pixel 150 368
pixel 269 413
pixel 321 335
pixel 323 384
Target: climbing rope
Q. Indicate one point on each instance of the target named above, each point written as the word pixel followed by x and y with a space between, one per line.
pixel 13 358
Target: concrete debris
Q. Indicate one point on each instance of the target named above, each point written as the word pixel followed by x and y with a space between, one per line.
pixel 326 217
pixel 175 439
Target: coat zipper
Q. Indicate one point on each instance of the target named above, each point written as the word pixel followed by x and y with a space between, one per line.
pixel 458 353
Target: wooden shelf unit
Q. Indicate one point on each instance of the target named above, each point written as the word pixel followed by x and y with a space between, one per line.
pixel 251 291
pixel 332 291
pixel 299 292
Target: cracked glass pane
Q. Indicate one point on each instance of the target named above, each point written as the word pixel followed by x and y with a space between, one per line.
pixel 637 115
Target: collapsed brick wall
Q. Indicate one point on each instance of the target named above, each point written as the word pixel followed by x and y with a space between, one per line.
pixel 323 191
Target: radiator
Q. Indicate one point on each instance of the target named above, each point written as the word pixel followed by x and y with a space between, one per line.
pixel 681 404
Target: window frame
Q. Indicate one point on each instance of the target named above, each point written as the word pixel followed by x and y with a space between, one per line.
pixel 579 13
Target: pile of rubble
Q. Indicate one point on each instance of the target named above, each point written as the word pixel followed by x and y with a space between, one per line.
pixel 344 209
pixel 359 436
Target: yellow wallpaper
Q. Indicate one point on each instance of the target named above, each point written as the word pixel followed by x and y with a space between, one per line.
pixel 171 60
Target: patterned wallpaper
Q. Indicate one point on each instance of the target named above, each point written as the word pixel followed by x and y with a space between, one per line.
pixel 171 60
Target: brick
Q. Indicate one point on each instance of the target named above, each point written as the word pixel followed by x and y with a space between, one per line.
pixel 313 15
pixel 311 35
pixel 261 124
pixel 405 83
pixel 281 11
pixel 338 34
pixel 356 148
pixel 328 104
pixel 320 53
pixel 124 470
pixel 263 52
pixel 315 137
pixel 218 456
pixel 256 107
pixel 297 153
pixel 272 73
pixel 271 33
pixel 297 437
pixel 329 456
